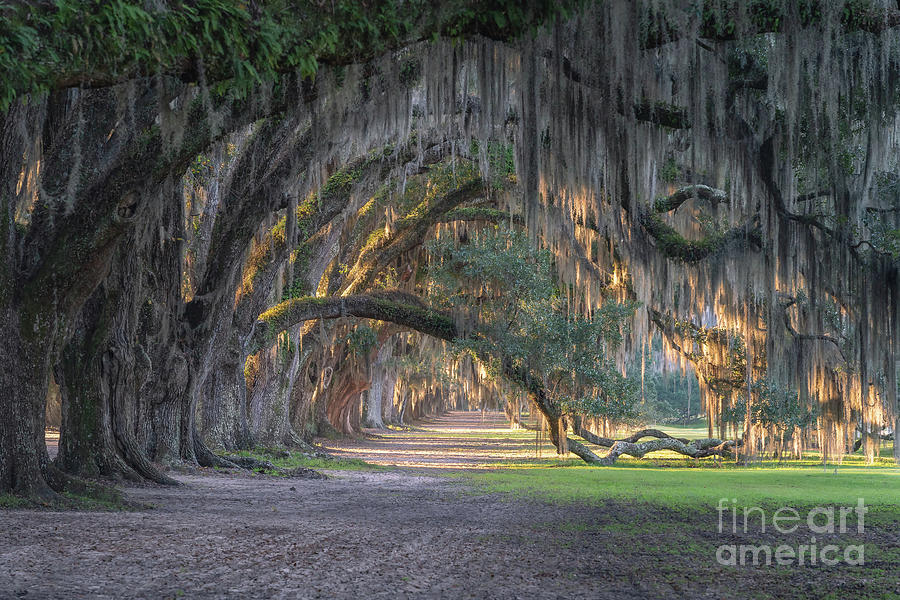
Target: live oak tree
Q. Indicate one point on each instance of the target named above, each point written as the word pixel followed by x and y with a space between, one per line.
pixel 708 161
pixel 106 105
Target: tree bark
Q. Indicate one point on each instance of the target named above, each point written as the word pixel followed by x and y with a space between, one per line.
pixel 99 382
pixel 24 376
pixel 377 386
pixel 223 416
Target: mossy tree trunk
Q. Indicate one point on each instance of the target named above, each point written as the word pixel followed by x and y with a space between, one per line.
pixel 223 416
pixel 24 376
pixel 88 195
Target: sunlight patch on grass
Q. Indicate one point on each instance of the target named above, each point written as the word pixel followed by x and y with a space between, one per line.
pixel 693 488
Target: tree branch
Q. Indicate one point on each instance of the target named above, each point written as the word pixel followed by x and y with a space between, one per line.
pixel 410 231
pixel 670 203
pixel 674 245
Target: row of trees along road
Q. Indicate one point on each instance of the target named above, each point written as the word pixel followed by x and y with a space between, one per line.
pixel 199 199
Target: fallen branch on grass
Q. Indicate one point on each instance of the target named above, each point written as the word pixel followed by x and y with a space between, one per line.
pixel 633 447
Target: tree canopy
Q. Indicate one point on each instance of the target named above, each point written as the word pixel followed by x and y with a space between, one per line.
pixel 201 200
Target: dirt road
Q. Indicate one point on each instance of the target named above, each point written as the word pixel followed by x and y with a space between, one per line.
pixel 456 440
pixel 381 534
pixel 399 533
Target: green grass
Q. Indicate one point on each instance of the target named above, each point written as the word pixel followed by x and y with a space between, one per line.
pixel 91 497
pixel 100 502
pixel 10 501
pixel 693 431
pixel 672 480
pixel 285 460
pixel 657 517
pixel 339 464
pixel 695 488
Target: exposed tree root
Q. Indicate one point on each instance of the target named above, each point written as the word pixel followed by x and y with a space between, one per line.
pixel 633 447
pixel 141 465
pixel 298 443
pixel 207 458
pixel 249 463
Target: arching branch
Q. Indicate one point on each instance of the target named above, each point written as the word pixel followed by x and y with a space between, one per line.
pixel 395 307
pixel 674 245
pixel 670 203
pixel 407 310
pixel 409 232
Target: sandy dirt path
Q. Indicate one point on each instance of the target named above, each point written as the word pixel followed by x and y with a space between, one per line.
pixel 455 440
pixel 401 533
pixel 372 534
pixel 356 535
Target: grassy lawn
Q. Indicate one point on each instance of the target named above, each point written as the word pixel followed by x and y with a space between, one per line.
pixel 701 489
pixel 661 525
pixel 669 479
pixel 657 519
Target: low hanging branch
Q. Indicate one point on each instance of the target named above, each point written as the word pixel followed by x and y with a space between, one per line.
pixel 394 307
pixel 409 311
pixel 670 203
pixel 632 446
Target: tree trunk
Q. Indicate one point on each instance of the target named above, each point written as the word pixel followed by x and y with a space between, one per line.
pixel 387 395
pixel 270 398
pixel 222 413
pixel 897 439
pixel 24 377
pixel 557 428
pixel 377 388
pixel 97 379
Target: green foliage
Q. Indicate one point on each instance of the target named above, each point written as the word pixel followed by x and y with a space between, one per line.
pixel 670 171
pixel 505 19
pixel 504 285
pixel 361 340
pixel 285 461
pixel 429 367
pixel 410 72
pixel 775 406
pixel 780 407
pixel 499 266
pixel 234 41
pixel 286 348
pixel 299 264
pixel 670 395
pixel 499 159
pixel 676 246
pixel 230 43
pixel 11 501
pixel 616 399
